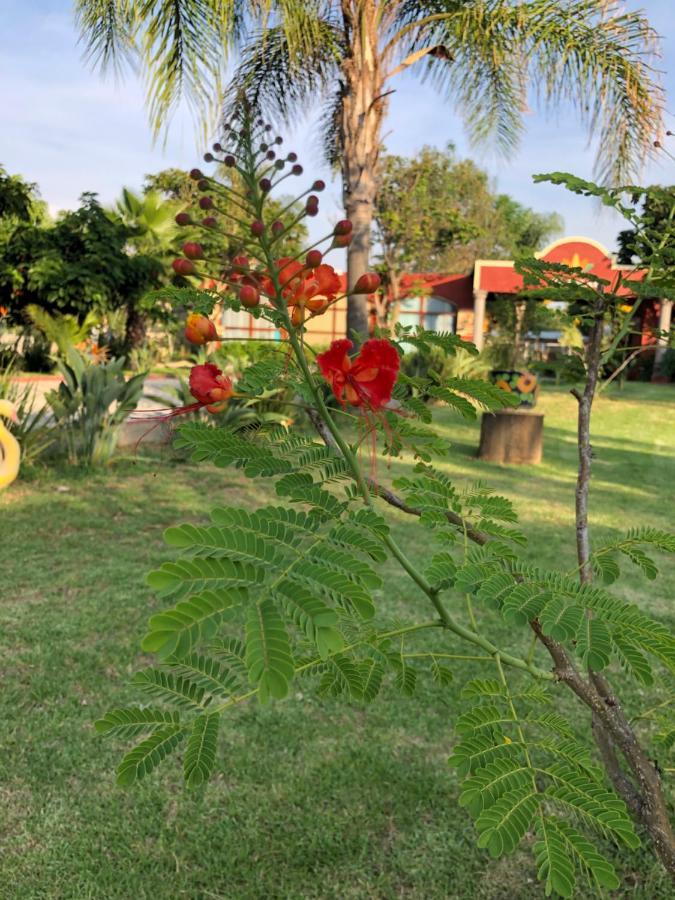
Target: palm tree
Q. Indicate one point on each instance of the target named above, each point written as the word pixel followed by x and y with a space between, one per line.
pixel 483 55
pixel 151 232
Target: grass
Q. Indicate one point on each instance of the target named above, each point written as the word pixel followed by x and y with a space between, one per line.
pixel 312 799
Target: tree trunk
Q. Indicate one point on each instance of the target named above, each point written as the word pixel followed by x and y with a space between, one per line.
pixel 363 109
pixel 136 328
pixel 618 744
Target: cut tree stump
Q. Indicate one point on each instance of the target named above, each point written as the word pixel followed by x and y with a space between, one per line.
pixel 512 436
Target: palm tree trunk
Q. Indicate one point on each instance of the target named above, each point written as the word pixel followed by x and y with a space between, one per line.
pixel 362 113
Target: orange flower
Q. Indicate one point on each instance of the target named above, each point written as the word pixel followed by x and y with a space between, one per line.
pixel 504 385
pixel 199 329
pixel 306 289
pixel 526 383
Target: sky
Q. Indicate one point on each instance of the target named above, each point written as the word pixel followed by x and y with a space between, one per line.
pixel 71 130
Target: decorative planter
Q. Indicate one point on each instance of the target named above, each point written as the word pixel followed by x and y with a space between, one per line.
pixel 519 382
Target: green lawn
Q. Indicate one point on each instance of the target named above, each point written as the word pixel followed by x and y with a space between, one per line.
pixel 312 799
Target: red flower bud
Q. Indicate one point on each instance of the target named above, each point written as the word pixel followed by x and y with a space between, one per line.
pixel 206 202
pixel 277 227
pixel 313 259
pixel 278 140
pixel 203 184
pixel 183 218
pixel 200 329
pixel 196 174
pixel 367 283
pixel 270 154
pixel 342 240
pixel 344 226
pixel 183 267
pixel 257 228
pixel 292 157
pixel 265 184
pixel 229 160
pixel 241 262
pixel 319 185
pixel 249 296
pixel 193 250
pixel 312 200
pixel 208 157
pixel 209 222
pixel 312 209
pixel 297 169
pixel 217 147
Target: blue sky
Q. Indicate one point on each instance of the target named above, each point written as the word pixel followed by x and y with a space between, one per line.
pixel 70 130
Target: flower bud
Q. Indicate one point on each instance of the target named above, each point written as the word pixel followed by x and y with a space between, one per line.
pixel 265 184
pixel 249 296
pixel 193 250
pixel 297 169
pixel 312 209
pixel 209 222
pixel 206 203
pixel 341 240
pixel 208 157
pixel 183 219
pixel 292 157
pixel 270 154
pixel 217 147
pixel 278 139
pixel 367 283
pixel 319 185
pixel 344 226
pixel 264 148
pixel 203 184
pixel 257 228
pixel 277 227
pixel 183 267
pixel 313 259
pixel 229 160
pixel 279 164
pixel 240 262
pixel 200 329
pixel 196 174
pixel 312 200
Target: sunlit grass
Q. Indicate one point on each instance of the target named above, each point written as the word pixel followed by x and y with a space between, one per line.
pixel 312 799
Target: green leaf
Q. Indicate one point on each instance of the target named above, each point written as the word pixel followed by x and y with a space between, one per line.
pixel 504 824
pixel 200 754
pixel 170 688
pixel 606 567
pixel 147 755
pixel 482 687
pixel 132 721
pixel 555 867
pixel 640 558
pixel 268 651
pixel 593 643
pixel 481 717
pixel 177 630
pixel 196 575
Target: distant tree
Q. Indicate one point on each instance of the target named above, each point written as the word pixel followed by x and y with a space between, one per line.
pixel 657 208
pixel 18 198
pixel 434 213
pixel 77 264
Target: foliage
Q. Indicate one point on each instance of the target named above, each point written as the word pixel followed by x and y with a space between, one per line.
pixel 78 264
pixel 33 429
pixel 435 213
pixel 91 405
pixel 63 330
pixel 258 601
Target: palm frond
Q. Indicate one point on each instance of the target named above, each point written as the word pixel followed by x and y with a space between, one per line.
pixel 586 53
pixel 107 31
pixel 279 75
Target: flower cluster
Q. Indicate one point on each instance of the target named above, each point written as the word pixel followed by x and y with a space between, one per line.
pixel 288 290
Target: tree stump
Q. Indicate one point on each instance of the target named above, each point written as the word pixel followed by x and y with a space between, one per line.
pixel 512 436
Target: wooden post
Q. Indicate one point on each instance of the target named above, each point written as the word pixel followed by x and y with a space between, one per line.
pixel 665 314
pixel 512 436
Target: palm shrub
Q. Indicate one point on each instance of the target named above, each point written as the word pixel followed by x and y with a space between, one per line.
pixel 256 601
pixel 91 405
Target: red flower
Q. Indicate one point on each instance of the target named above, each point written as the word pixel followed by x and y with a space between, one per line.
pixel 209 387
pixel 368 379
